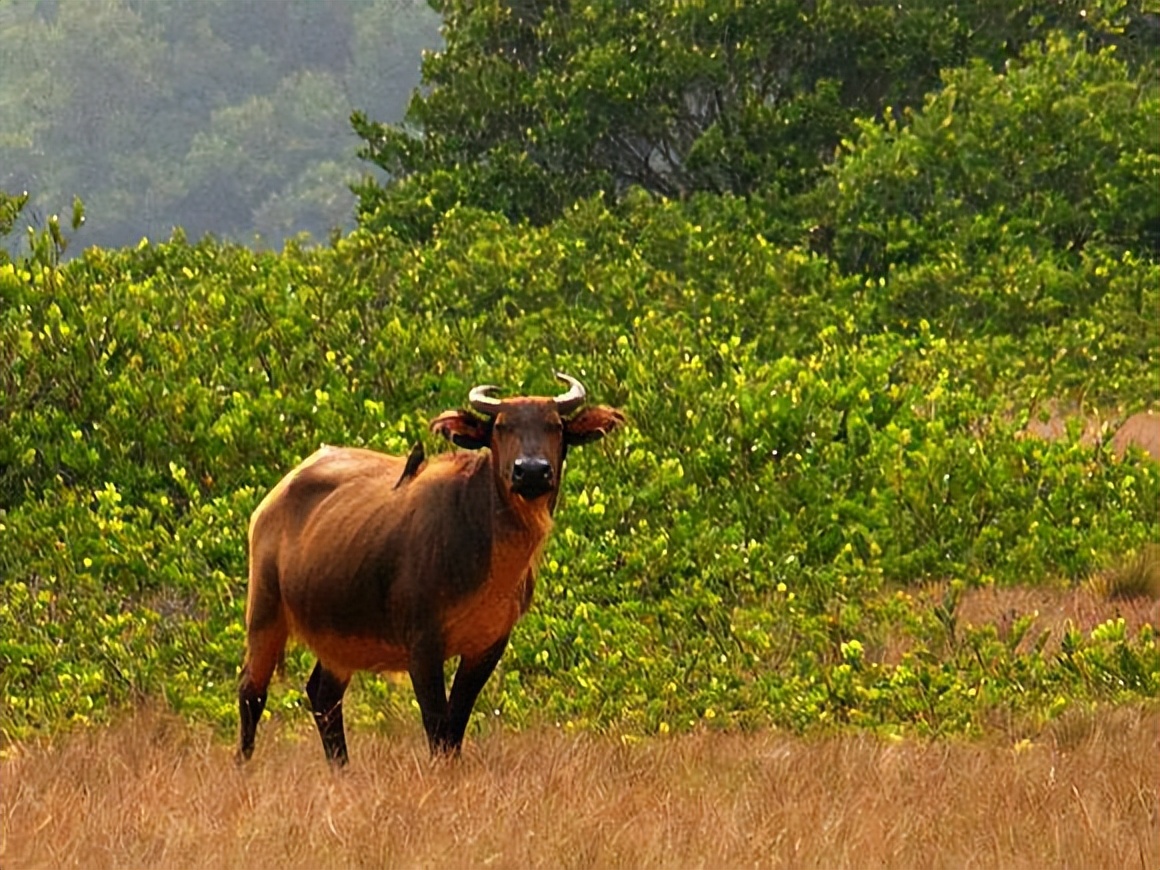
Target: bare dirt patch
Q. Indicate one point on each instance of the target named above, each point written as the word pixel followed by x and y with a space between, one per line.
pixel 152 792
pixel 1054 609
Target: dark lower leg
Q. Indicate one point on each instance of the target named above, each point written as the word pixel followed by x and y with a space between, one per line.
pixel 251 703
pixel 431 692
pixel 473 673
pixel 325 692
pixel 264 646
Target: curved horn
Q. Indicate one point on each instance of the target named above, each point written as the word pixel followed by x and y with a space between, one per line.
pixel 568 402
pixel 483 403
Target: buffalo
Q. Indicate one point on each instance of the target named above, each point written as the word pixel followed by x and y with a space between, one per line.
pixel 387 563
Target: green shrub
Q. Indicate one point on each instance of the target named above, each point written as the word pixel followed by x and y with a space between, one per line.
pixel 727 561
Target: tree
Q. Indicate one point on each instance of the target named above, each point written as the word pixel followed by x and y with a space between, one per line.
pixel 255 150
pixel 1009 200
pixel 534 103
pixel 1061 149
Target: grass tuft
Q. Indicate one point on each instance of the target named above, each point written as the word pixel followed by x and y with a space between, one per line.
pixel 1139 577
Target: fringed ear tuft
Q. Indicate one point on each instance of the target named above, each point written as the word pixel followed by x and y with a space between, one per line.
pixel 592 424
pixel 463 428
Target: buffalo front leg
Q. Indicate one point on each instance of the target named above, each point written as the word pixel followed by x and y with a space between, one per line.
pixel 470 679
pixel 325 692
pixel 426 672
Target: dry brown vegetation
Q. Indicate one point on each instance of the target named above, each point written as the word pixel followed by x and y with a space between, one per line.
pixel 1054 610
pixel 152 792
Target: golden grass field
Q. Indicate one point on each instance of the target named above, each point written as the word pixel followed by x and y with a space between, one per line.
pixel 155 792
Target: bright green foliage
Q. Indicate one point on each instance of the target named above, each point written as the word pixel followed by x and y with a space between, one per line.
pixel 10 208
pixel 1020 204
pixel 727 559
pixel 1057 155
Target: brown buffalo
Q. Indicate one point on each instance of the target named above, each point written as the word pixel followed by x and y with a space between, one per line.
pixel 386 563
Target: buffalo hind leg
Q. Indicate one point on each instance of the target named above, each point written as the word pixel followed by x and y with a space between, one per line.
pixel 251 703
pixel 264 649
pixel 470 678
pixel 325 692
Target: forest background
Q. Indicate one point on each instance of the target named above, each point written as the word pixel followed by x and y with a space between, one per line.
pixel 220 117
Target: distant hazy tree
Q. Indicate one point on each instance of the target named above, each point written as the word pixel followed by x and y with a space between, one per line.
pixel 207 115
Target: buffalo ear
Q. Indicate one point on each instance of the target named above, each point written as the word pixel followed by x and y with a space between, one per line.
pixel 463 428
pixel 591 424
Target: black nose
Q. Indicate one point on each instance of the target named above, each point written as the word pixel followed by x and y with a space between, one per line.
pixel 531 477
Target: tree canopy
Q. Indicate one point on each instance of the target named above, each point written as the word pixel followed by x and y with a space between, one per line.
pixel 533 104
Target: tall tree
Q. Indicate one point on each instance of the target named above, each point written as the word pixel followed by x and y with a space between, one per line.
pixel 533 103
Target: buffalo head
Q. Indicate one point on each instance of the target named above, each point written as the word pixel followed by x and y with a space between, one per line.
pixel 528 436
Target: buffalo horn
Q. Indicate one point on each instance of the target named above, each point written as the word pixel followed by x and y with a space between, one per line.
pixel 568 402
pixel 482 402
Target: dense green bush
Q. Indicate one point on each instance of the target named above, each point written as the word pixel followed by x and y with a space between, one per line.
pixel 726 558
pixel 992 206
pixel 815 434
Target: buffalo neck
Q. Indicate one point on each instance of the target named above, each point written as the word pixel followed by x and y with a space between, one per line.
pixel 519 524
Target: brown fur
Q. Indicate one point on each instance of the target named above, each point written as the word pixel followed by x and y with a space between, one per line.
pixel 330 556
pixel 382 563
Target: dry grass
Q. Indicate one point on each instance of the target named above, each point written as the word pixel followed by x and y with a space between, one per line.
pixel 151 792
pixel 1054 610
pixel 1112 595
pixel 1137 578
